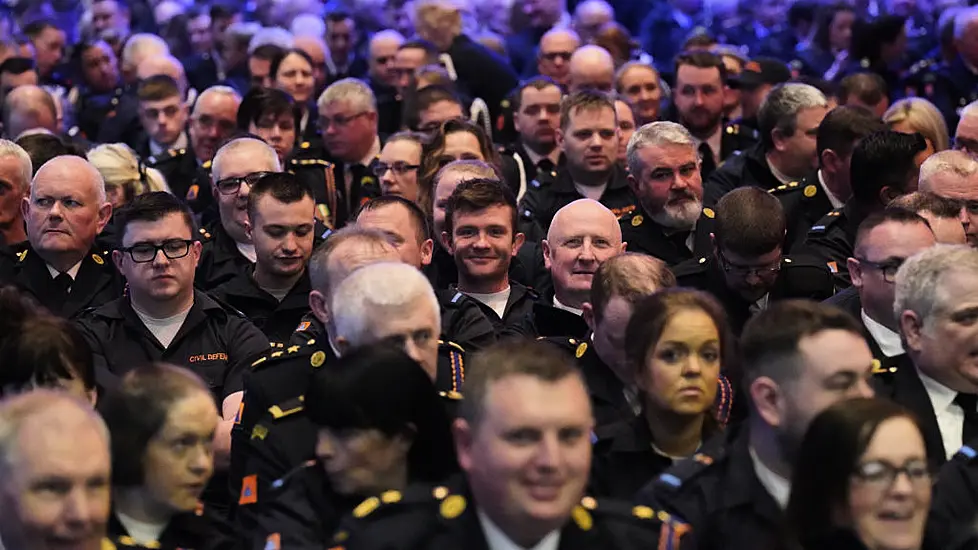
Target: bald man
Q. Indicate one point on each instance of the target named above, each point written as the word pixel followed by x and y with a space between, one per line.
pixel 590 16
pixel 163 64
pixel 954 175
pixel 315 48
pixel 583 235
pixel 52 440
pixel 591 67
pixel 554 54
pixel 61 265
pixel 28 108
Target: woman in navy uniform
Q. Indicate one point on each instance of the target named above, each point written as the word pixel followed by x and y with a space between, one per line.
pixel 381 426
pixel 162 421
pixel 677 342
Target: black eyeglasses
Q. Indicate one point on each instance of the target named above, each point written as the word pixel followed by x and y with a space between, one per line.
pixel 398 167
pixel 339 121
pixel 744 270
pixel 145 252
pixel 888 268
pixel 231 186
pixel 881 474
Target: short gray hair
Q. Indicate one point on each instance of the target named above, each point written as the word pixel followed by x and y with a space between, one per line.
pixel 15 411
pixel 653 134
pixel 918 282
pixel 780 109
pixel 963 19
pixel 353 90
pixel 958 163
pixel 142 46
pixel 11 149
pixel 384 285
pixel 274 36
pixel 259 147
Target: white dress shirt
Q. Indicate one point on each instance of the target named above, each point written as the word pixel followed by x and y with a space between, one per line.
pixel 497 540
pixel 778 487
pixel 181 143
pixel 833 200
pixel 778 174
pixel 714 142
pixel 573 310
pixel 888 341
pixel 72 271
pixel 950 416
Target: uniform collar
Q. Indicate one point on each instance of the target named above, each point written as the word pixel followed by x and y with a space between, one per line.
pixel 72 271
pixel 833 200
pixel 778 487
pixel 496 539
pixel 182 142
pixel 573 310
pixel 888 341
pixel 778 174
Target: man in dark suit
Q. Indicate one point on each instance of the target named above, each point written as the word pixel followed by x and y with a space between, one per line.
pixel 935 303
pixel 884 241
pixel 61 265
pixel 342 37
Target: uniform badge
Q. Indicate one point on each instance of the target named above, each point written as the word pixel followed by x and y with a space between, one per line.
pixel 98 259
pixel 833 267
pixel 581 350
pixel 452 507
pixel 249 490
pixel 637 220
pixel 303 326
pixel 318 359
pixel 810 191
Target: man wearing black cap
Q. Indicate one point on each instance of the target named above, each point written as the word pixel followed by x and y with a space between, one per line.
pixel 755 82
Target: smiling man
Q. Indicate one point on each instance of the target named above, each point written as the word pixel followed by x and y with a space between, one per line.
pixel 523 443
pixel 61 266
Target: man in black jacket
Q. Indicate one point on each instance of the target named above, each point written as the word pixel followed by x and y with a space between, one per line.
pixel 787 124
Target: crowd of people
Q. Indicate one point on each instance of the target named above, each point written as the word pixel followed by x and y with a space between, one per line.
pixel 440 274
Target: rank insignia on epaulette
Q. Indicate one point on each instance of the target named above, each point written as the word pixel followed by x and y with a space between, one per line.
pixel 452 507
pixel 293 349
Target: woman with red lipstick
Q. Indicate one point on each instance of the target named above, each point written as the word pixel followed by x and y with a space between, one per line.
pixel 677 342
pixel 861 480
pixel 162 420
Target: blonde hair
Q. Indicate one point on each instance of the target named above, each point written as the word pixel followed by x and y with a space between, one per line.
pixel 120 167
pixel 922 116
pixel 438 21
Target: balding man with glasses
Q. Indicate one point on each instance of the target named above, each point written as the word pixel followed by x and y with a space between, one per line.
pixel 954 175
pixel 163 318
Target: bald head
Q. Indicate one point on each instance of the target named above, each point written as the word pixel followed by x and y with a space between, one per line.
pixel 592 67
pixel 164 64
pixel 582 236
pixel 383 50
pixel 71 168
pixel 49 438
pixel 26 108
pixel 589 17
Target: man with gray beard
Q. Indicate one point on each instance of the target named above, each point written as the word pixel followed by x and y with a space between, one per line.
pixel 664 174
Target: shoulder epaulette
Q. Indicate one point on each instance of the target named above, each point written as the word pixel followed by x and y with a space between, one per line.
pixel 685 470
pixel 311 162
pixel 449 506
pixel 786 187
pixel 825 222
pixel 165 156
pixel 280 352
pixel 287 408
pixel 621 509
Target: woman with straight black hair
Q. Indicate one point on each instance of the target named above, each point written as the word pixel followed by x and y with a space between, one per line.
pixel 860 480
pixel 162 420
pixel 382 426
pixel 676 345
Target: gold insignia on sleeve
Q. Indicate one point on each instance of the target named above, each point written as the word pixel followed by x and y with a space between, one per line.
pixel 581 350
pixel 366 507
pixel 637 220
pixel 318 359
pixel 582 518
pixel 709 213
pixel 643 512
pixel 810 191
pixel 452 507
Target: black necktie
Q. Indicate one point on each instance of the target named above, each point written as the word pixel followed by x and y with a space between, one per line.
pixel 968 402
pixel 62 285
pixel 706 155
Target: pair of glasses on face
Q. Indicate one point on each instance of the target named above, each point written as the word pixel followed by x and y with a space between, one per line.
pixel 146 252
pixel 881 474
pixel 887 269
pixel 231 186
pixel 744 270
pixel 339 121
pixel 398 167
